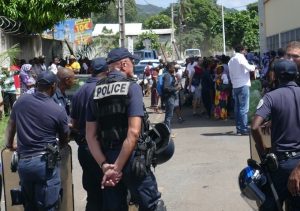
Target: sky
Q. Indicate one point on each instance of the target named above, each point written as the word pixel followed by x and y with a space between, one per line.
pixel 237 4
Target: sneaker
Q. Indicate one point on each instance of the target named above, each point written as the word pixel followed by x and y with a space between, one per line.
pixel 173 135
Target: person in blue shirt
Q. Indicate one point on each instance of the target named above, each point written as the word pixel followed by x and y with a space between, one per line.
pixel 114 118
pixel 40 184
pixel 91 172
pixel 285 130
pixel 66 78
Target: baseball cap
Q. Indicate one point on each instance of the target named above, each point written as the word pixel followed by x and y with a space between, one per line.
pixel 98 64
pixel 285 66
pixel 46 78
pixel 117 54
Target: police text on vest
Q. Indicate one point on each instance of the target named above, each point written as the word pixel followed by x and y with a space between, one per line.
pixel 106 90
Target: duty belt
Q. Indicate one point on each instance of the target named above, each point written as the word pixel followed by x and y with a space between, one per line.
pixel 287 155
pixel 31 155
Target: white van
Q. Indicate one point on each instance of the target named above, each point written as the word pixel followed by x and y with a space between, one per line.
pixel 192 52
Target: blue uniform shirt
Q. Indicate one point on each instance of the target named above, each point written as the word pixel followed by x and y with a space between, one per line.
pixel 79 102
pixel 135 106
pixel 38 119
pixel 62 100
pixel 283 106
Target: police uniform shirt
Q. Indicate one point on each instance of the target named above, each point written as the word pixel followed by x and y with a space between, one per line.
pixel 62 100
pixel 283 109
pixel 79 100
pixel 38 119
pixel 135 106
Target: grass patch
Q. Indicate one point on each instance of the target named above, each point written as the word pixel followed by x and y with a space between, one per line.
pixel 3 124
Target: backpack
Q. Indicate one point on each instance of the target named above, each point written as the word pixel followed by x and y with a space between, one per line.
pixel 148 71
pixel 160 84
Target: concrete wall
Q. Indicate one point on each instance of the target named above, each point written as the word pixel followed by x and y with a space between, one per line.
pixel 34 46
pixel 281 16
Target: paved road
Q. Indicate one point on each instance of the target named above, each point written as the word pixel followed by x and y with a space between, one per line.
pixel 202 175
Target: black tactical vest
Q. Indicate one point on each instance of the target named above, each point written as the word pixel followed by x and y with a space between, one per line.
pixel 111 100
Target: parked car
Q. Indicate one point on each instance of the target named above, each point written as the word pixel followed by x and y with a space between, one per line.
pixel 155 62
pixel 139 72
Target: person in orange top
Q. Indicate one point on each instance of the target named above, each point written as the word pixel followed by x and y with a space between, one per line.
pixel 73 64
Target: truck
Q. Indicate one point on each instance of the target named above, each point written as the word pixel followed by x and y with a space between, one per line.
pixel 192 52
pixel 146 54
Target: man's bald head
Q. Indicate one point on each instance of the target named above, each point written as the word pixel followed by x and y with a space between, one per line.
pixel 66 77
pixel 64 73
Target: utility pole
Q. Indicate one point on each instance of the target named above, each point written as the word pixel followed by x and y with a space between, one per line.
pixel 262 28
pixel 223 27
pixel 121 10
pixel 172 33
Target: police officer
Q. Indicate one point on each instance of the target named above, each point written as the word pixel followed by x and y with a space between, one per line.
pixel 91 172
pixel 65 81
pixel 40 183
pixel 114 124
pixel 283 107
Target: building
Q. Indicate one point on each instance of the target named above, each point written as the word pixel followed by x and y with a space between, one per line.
pixel 279 22
pixel 132 30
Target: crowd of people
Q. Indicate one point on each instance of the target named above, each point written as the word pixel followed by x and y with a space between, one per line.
pixel 108 116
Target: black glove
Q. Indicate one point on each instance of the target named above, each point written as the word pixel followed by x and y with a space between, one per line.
pixel 139 166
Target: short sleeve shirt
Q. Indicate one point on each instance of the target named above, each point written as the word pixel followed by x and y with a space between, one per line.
pixel 283 107
pixel 135 106
pixel 79 102
pixel 37 128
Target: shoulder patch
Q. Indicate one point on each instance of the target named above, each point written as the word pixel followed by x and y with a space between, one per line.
pixel 106 90
pixel 260 103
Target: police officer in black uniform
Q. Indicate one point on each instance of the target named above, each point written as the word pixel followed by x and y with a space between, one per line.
pixel 36 131
pixel 66 79
pixel 283 107
pixel 114 124
pixel 91 172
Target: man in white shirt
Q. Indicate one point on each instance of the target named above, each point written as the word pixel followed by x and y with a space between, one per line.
pixel 239 72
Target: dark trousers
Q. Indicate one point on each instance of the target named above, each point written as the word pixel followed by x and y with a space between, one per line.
pixel 8 101
pixel 143 190
pixel 91 178
pixel 280 178
pixel 207 100
pixel 40 186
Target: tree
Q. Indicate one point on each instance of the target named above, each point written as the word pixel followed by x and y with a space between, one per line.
pixel 158 22
pixel 147 35
pixel 242 28
pixel 111 14
pixel 199 18
pixel 38 15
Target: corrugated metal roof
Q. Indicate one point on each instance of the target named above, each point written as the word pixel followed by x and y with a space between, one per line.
pixel 131 29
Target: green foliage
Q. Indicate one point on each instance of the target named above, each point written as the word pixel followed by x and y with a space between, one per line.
pixel 148 35
pixel 242 28
pixel 146 11
pixel 100 46
pixel 38 15
pixel 11 54
pixel 3 125
pixel 158 22
pixel 203 26
pixel 111 14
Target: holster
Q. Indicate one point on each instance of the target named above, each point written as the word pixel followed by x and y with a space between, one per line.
pixel 144 156
pixel 14 162
pixel 52 156
pixel 16 196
